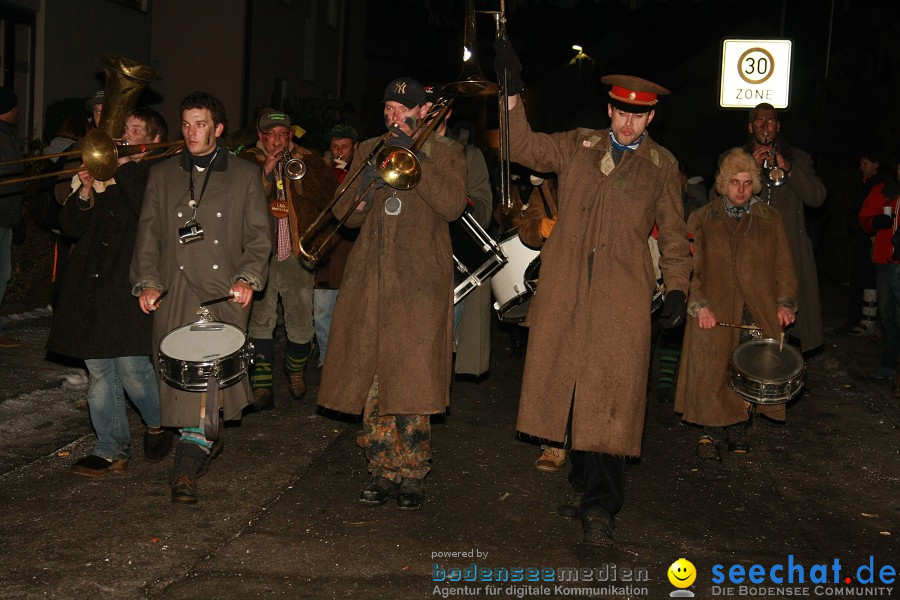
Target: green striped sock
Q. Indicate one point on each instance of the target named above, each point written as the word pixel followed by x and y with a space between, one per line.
pixel 261 376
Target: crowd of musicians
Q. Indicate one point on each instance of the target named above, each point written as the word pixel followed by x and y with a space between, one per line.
pixel 214 237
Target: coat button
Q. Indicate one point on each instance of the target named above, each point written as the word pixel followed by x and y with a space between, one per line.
pixel 181 267
pixel 215 266
pixel 95 275
pixel 215 241
pixel 218 214
pixel 179 213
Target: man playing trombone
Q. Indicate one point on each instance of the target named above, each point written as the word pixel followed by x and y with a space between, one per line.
pixel 391 341
pixel 298 186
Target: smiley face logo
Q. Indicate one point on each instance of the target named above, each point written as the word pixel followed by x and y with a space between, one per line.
pixel 682 573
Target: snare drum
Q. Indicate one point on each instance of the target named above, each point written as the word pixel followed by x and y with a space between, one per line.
pixel 511 293
pixel 763 374
pixel 189 355
pixel 476 254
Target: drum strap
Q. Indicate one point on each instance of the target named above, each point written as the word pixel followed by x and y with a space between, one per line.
pixel 547 210
pixel 211 416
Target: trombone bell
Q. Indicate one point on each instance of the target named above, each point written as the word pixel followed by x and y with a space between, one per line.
pixel 398 167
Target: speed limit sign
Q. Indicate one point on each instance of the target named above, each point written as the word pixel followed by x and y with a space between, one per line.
pixel 755 71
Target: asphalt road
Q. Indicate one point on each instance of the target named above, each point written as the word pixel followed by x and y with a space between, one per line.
pixel 278 515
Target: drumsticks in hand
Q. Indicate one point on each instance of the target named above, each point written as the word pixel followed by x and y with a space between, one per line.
pixel 735 325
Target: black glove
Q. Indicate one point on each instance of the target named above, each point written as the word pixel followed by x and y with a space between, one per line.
pixel 404 141
pixel 506 60
pixel 882 222
pixel 674 310
pixel 368 175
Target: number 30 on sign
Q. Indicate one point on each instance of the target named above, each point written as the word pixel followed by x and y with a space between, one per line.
pixel 755 71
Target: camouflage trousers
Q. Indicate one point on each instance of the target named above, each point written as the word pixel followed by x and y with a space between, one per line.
pixel 397 446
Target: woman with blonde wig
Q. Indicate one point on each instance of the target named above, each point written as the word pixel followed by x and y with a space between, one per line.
pixel 743 273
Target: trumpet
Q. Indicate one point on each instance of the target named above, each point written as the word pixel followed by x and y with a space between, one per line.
pixel 771 172
pixel 293 168
pixel 397 166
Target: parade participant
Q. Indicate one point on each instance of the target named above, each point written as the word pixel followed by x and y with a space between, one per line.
pixel 293 205
pixel 391 341
pixel 11 197
pixel 878 218
pixel 743 273
pixel 800 187
pixel 225 251
pixel 95 317
pixel 597 280
pixel 330 269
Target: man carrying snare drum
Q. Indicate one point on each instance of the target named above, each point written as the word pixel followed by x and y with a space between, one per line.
pixel 204 235
pixel 743 275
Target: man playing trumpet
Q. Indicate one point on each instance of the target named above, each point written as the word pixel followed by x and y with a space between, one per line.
pixel 293 205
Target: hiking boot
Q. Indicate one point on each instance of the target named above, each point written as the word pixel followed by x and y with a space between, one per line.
pixel 263 399
pixel 379 491
pixel 597 526
pixel 189 459
pixel 708 449
pixel 97 466
pixel 411 494
pixel 296 385
pixel 551 460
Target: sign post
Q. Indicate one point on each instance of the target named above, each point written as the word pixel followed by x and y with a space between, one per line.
pixel 755 71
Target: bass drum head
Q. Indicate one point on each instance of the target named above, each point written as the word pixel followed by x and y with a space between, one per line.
pixel 202 341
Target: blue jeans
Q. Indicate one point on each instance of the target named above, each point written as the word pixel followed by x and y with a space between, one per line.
pixel 323 309
pixel 111 378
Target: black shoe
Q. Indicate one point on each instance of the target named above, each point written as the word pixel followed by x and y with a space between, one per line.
pixel 569 511
pixel 184 490
pixel 215 451
pixel 411 495
pixel 737 438
pixel 97 466
pixel 597 526
pixel 379 491
pixel 157 445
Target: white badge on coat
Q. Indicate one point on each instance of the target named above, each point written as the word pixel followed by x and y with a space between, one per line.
pixel 393 205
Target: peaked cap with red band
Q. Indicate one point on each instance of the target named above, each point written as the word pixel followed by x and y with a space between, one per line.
pixel 633 94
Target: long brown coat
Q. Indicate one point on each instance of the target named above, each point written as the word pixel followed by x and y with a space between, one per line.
pixel 237 244
pixel 590 316
pixel 393 316
pixel 736 264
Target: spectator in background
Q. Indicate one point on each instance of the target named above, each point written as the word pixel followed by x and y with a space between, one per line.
pixel 10 196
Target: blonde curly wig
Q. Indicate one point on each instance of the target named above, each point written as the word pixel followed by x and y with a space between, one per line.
pixel 737 161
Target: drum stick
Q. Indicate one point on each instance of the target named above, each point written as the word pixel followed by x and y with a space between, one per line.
pixel 155 302
pixel 781 343
pixel 217 300
pixel 735 325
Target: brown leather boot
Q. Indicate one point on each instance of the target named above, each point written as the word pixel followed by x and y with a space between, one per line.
pixel 263 399
pixel 297 385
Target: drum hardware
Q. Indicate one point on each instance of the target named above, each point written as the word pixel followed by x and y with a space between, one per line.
pixel 476 254
pixel 771 172
pixel 191 354
pixel 764 371
pixel 511 293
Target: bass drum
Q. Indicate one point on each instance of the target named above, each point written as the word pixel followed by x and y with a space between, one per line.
pixel 189 355
pixel 511 293
pixel 764 374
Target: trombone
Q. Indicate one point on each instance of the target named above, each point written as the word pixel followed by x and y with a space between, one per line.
pixel 397 166
pixel 99 154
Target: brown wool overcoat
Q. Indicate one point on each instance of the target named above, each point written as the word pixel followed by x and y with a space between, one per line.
pixel 736 264
pixel 590 327
pixel 237 244
pixel 393 316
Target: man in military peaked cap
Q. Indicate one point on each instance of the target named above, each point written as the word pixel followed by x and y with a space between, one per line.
pixel 590 318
